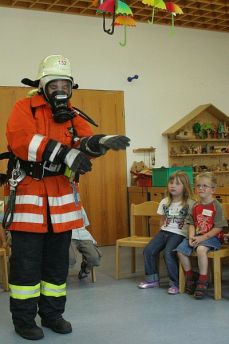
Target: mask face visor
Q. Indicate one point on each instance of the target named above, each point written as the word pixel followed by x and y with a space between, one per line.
pixel 57 93
pixel 62 87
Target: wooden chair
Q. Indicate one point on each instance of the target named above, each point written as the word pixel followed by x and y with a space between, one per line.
pixel 4 268
pixel 216 257
pixel 93 275
pixel 4 265
pixel 145 210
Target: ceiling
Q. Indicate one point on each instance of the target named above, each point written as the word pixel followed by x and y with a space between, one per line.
pixel 203 14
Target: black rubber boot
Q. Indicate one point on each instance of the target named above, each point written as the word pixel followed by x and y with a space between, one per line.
pixel 31 332
pixel 59 325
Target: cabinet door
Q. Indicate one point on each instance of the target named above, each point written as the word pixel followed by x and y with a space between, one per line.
pixel 104 190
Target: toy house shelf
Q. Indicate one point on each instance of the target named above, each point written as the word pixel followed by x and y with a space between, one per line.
pixel 185 148
pixel 202 154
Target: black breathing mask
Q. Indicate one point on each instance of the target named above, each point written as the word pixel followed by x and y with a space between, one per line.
pixel 59 103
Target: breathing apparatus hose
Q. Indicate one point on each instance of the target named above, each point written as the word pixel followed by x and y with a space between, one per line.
pixel 9 213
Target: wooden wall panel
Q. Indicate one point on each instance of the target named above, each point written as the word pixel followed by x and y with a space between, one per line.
pixel 104 190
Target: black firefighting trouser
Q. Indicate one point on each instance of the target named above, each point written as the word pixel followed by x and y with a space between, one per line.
pixel 38 258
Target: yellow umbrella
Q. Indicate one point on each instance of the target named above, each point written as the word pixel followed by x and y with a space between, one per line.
pixel 155 4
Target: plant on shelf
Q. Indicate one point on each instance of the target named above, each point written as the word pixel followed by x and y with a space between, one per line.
pixel 204 131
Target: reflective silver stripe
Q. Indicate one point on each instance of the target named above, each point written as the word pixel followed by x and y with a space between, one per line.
pixel 29 199
pixel 52 290
pixel 54 152
pixel 34 146
pixel 24 292
pixel 66 217
pixel 28 217
pixel 70 157
pixel 59 201
pixel 49 289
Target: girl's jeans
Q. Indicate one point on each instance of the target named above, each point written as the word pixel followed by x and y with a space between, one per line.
pixel 166 241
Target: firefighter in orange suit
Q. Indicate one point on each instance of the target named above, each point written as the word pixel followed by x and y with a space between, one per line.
pixel 48 138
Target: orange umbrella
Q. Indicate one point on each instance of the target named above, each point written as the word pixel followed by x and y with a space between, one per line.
pixel 125 21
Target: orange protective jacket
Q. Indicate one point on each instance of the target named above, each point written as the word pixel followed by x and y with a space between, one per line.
pixel 27 136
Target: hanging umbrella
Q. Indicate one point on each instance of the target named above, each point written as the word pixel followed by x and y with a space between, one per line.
pixel 108 6
pixel 174 9
pixel 123 9
pixel 160 4
pixel 125 21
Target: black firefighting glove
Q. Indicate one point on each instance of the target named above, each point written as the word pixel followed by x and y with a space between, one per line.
pixel 99 144
pixel 76 160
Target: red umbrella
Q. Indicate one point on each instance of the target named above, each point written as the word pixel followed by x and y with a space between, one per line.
pixel 174 9
pixel 108 6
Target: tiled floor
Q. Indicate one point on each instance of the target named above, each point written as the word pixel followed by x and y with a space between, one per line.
pixel 117 312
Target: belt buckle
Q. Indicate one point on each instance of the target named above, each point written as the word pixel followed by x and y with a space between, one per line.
pixel 50 167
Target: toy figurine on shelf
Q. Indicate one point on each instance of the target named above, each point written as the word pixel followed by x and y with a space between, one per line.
pixel 173 151
pixel 185 135
pixel 225 166
pixel 221 130
pixel 140 174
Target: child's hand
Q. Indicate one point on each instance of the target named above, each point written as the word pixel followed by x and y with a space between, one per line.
pixel 191 240
pixel 197 240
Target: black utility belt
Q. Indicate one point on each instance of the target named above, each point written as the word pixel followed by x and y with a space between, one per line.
pixel 39 170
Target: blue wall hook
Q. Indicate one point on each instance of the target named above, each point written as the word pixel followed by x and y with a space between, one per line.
pixel 131 78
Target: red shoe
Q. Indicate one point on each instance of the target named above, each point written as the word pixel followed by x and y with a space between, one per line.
pixel 200 290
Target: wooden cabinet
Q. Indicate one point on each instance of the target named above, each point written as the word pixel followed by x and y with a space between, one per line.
pixel 206 149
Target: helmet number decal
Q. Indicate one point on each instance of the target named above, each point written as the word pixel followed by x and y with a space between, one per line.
pixel 62 62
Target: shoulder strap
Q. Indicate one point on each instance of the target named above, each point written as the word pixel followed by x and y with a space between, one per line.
pixel 33 109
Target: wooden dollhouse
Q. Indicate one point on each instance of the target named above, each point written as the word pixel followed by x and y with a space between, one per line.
pixel 201 140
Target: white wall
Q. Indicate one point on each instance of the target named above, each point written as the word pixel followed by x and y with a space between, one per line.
pixel 176 72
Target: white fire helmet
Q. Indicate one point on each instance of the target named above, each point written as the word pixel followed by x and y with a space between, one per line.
pixel 54 67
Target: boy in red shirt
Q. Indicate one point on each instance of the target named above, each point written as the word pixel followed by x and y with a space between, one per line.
pixel 205 230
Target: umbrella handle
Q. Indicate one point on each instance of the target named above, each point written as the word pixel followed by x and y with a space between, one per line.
pixel 172 28
pixel 110 31
pixel 125 41
pixel 151 21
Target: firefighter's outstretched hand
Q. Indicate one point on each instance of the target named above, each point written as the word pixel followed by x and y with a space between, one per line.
pixel 78 161
pixel 115 142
